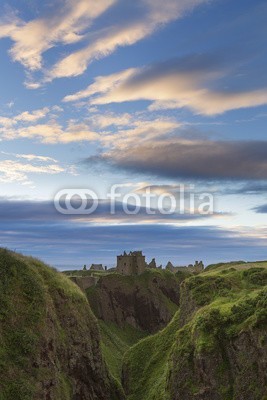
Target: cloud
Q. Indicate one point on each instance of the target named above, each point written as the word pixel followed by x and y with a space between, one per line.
pixel 6 122
pixel 261 209
pixel 46 211
pixel 139 131
pixel 102 84
pixel 25 116
pixel 24 125
pixel 186 82
pixel 51 132
pixel 35 228
pixel 30 157
pixel 70 24
pixel 13 171
pixel 64 26
pixel 197 159
pixel 109 119
pixel 103 127
pixel 167 189
pixel 126 33
pixel 249 188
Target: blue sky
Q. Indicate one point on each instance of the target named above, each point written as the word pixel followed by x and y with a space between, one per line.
pixel 140 94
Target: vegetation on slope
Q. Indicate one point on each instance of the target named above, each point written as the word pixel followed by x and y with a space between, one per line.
pixel 130 308
pixel 147 301
pixel 83 273
pixel 215 347
pixel 49 338
pixel 115 342
pixel 146 369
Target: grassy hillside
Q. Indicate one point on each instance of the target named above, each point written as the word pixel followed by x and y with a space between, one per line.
pixel 115 342
pixel 49 338
pixel 215 347
pixel 238 265
pixel 130 308
pixel 146 365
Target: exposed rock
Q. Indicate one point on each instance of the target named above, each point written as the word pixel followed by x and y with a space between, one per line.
pixel 215 348
pixel 146 302
pixel 49 338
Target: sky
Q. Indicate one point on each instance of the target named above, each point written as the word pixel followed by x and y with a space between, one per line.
pixel 166 98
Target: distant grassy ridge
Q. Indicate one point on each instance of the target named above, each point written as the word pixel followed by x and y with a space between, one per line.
pixel 236 264
pixel 84 273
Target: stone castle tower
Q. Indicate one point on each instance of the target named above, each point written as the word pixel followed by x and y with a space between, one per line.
pixel 133 263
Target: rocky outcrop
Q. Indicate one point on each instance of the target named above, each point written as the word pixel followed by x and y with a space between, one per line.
pixel 231 368
pixel 215 348
pixel 146 302
pixel 49 338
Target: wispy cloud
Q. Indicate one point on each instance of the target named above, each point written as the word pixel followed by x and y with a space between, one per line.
pixel 50 132
pixel 25 116
pixel 30 157
pixel 186 82
pixel 27 125
pixel 70 25
pixel 64 26
pixel 126 33
pixel 13 171
pixel 102 127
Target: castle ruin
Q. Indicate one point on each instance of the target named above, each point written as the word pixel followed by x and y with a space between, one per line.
pixel 97 267
pixel 133 263
pixel 195 269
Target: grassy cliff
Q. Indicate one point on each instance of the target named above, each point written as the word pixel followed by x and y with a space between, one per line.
pixel 130 308
pixel 170 337
pixel 49 338
pixel 216 345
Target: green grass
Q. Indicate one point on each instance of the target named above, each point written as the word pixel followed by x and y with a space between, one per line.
pixel 238 265
pixel 115 342
pixel 44 318
pixel 82 272
pixel 228 299
pixel 146 364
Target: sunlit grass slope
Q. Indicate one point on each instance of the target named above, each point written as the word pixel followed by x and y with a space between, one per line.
pixel 49 338
pixel 214 348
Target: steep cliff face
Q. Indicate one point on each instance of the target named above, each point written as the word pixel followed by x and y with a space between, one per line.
pixel 146 302
pixel 212 359
pixel 214 349
pixel 49 338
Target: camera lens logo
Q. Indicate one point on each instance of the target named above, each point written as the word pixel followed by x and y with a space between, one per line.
pixel 76 201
